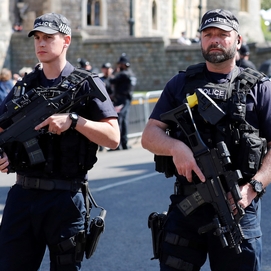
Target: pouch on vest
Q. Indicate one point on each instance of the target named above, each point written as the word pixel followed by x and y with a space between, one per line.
pixel 252 150
pixel 164 164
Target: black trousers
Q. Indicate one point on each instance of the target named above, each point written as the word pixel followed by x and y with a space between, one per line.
pixel 34 219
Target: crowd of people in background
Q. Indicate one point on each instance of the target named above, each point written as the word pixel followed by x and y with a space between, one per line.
pixel 119 82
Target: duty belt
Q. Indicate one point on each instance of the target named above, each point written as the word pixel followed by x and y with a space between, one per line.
pixel 50 184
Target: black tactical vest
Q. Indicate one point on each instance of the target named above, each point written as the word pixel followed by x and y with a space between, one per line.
pixel 246 147
pixel 67 155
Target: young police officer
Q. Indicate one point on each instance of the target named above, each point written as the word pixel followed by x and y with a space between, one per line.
pixel 46 205
pixel 183 248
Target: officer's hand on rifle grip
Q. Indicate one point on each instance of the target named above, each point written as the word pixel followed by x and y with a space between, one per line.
pixel 186 164
pixel 4 163
pixel 235 207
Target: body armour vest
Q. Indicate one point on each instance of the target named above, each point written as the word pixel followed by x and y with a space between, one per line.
pixel 246 147
pixel 68 155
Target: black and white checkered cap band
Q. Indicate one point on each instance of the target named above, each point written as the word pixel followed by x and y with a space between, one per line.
pixel 65 29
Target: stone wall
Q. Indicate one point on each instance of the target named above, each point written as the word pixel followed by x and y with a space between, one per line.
pixel 5 34
pixel 152 61
pixel 115 16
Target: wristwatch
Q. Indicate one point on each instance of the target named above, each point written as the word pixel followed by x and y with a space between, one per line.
pixel 74 117
pixel 257 187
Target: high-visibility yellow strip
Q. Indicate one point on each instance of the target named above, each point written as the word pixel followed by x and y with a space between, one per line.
pixel 152 100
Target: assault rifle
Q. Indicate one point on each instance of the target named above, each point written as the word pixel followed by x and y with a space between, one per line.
pixel 215 164
pixel 34 107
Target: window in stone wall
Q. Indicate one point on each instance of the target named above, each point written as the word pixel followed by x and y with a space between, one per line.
pixel 244 5
pixel 94 12
pixel 154 15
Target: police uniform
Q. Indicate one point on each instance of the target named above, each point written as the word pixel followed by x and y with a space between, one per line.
pixel 46 205
pixel 243 95
pixel 182 247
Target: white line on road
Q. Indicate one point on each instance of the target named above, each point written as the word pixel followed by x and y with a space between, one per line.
pixel 124 182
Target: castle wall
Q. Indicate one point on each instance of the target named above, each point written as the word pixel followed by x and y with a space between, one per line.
pixel 153 62
pixel 6 32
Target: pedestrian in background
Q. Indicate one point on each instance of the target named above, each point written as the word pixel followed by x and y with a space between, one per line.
pixel 107 71
pixel 6 83
pixel 265 67
pixel 105 75
pixel 183 39
pixel 243 60
pixel 84 64
pixel 123 81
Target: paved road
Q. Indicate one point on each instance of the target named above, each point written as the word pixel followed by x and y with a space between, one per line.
pixel 126 185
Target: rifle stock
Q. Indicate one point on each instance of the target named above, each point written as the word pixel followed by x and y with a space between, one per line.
pixel 26 112
pixel 214 164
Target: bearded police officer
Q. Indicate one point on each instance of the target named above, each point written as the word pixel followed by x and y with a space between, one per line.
pixel 182 247
pixel 46 206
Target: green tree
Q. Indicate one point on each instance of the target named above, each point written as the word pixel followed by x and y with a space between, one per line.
pixel 266 31
pixel 174 17
pixel 265 4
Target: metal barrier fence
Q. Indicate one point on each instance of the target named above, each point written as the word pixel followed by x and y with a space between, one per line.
pixel 141 107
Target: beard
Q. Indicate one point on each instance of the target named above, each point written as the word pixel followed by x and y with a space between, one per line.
pixel 218 57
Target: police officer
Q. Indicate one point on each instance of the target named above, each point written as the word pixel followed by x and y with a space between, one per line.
pixel 84 64
pixel 105 75
pixel 123 82
pixel 182 247
pixel 243 60
pixel 46 205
